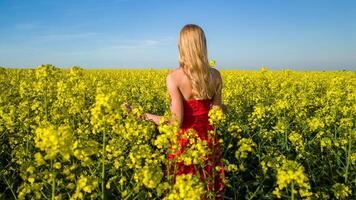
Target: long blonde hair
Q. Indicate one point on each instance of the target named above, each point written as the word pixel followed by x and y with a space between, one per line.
pixel 193 58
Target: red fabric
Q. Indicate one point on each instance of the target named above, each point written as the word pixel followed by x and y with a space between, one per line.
pixel 196 117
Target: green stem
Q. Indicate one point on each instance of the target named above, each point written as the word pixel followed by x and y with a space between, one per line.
pixel 214 162
pixel 348 158
pixel 27 144
pixel 28 129
pixel 174 175
pixel 103 168
pixel 254 193
pixel 292 188
pixel 8 185
pixel 286 140
pixel 46 104
pixel 53 181
pixel 168 171
pixel 285 132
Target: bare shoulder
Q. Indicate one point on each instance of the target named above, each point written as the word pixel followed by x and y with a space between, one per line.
pixel 176 72
pixel 173 76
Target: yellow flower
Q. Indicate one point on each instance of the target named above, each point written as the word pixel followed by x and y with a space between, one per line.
pixel 186 186
pixel 264 69
pixel 212 63
pixel 54 141
pixel 245 146
pixel 341 191
pixel 216 116
pixel 122 180
pixel 31 180
pixel 292 172
pixel 57 165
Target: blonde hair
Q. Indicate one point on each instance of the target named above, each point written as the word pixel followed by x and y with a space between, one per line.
pixel 193 58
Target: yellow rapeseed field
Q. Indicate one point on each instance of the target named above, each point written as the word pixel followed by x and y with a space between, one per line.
pixel 66 134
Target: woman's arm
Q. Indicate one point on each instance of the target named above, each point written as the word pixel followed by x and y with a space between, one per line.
pixel 176 99
pixel 176 103
pixel 152 117
pixel 217 100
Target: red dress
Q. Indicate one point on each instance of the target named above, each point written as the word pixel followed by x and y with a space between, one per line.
pixel 196 117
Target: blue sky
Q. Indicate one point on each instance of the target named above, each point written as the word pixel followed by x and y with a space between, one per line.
pixel 296 34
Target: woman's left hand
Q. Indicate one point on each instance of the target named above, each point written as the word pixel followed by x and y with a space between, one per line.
pixel 144 117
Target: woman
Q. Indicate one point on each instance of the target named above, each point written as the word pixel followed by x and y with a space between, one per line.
pixel 194 88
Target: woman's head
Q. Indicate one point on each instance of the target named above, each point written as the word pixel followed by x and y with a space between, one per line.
pixel 193 58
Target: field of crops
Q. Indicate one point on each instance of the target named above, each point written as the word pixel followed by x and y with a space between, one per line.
pixel 65 134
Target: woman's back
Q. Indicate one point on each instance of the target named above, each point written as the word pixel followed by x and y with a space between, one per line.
pixel 185 85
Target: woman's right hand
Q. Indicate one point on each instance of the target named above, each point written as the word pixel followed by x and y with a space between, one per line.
pixel 224 108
